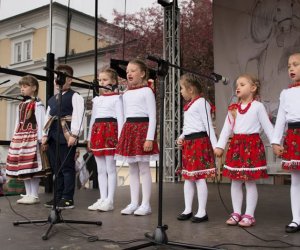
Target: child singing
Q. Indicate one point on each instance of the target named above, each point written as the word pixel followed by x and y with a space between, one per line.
pixel 197 142
pixel 105 128
pixel 289 113
pixel 24 159
pixel 137 145
pixel 245 158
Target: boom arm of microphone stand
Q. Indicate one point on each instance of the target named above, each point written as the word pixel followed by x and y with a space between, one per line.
pixel 11 98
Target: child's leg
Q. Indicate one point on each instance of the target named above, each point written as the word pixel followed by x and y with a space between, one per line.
pixel 295 197
pixel 202 197
pixel 27 184
pixel 251 197
pixel 237 196
pixel 134 183
pixel 189 190
pixel 146 181
pixel 35 187
pixel 102 176
pixel 112 177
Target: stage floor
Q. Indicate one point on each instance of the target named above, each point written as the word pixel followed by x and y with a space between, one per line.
pixel 272 214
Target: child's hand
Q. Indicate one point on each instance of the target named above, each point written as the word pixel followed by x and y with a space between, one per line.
pixel 44 140
pixel 179 142
pixel 277 149
pixel 88 146
pixel 218 152
pixel 72 141
pixel 148 146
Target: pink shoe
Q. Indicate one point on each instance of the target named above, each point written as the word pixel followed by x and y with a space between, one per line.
pixel 247 221
pixel 234 219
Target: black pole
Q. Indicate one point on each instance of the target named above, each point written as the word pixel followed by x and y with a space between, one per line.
pixel 96 48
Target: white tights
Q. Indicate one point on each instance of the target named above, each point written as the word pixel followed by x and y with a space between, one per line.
pixel 107 176
pixel 237 196
pixel 189 190
pixel 295 197
pixel 139 170
pixel 32 187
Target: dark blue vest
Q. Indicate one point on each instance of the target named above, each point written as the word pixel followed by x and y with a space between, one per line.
pixel 66 109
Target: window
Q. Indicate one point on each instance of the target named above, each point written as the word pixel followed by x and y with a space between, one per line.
pixel 22 51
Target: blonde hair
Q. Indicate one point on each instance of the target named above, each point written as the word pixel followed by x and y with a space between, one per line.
pixel 254 81
pixel 112 74
pixel 142 65
pixel 30 80
pixel 192 80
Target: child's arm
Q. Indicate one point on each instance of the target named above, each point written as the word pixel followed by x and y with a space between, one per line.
pixel 205 114
pixel 151 107
pixel 120 114
pixel 77 118
pixel 40 118
pixel 265 122
pixel 280 121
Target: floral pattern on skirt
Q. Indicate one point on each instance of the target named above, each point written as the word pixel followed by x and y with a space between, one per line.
pixel 197 159
pixel 104 138
pixel 291 153
pixel 130 147
pixel 245 158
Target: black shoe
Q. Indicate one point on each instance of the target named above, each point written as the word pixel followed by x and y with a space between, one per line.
pixel 50 203
pixel 199 219
pixel 291 229
pixel 65 204
pixel 184 216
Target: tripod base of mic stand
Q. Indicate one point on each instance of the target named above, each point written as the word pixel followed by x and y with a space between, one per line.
pixel 159 237
pixel 55 218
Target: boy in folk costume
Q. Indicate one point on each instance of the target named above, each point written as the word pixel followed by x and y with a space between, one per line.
pixel 72 111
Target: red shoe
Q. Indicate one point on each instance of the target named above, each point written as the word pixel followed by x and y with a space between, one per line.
pixel 247 221
pixel 234 219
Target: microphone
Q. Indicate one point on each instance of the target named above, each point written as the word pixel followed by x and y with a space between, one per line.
pixel 154 59
pixel 216 77
pixel 4 82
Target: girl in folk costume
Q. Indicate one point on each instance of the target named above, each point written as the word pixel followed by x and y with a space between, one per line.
pixel 105 128
pixel 137 145
pixel 24 158
pixel 197 142
pixel 245 158
pixel 289 113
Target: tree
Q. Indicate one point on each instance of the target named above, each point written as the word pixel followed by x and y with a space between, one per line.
pixel 144 35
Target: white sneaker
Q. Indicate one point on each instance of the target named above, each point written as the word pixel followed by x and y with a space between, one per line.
pixel 129 209
pixel 106 206
pixel 96 205
pixel 143 210
pixel 23 199
pixel 28 200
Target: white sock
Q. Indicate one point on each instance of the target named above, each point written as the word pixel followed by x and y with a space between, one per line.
pixel 134 183
pixel 295 197
pixel 202 197
pixel 237 196
pixel 189 190
pixel 251 197
pixel 146 181
pixel 35 187
pixel 102 176
pixel 111 176
pixel 27 184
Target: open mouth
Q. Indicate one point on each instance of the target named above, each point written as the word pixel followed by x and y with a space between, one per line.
pixel 292 75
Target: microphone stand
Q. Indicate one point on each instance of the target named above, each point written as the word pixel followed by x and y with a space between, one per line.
pixel 12 98
pixel 159 237
pixel 55 213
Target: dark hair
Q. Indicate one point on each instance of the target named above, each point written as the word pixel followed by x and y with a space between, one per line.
pixel 112 73
pixel 142 65
pixel 30 80
pixel 65 68
pixel 193 80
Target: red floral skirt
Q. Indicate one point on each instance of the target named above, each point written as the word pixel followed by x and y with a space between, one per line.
pixel 197 157
pixel 291 153
pixel 130 147
pixel 104 136
pixel 245 158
